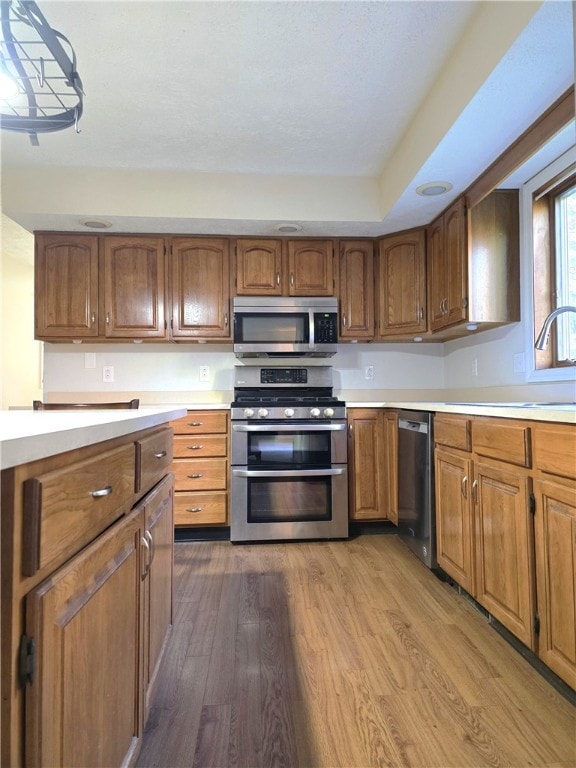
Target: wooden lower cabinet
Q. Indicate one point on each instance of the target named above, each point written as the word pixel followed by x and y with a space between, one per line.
pixel 506 526
pixel 372 464
pixel 504 547
pixel 83 632
pixel 454 517
pixel 555 536
pixel 201 468
pixel 85 623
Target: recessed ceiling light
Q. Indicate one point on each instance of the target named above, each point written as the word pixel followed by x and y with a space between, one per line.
pixel 288 229
pixel 95 224
pixel 433 188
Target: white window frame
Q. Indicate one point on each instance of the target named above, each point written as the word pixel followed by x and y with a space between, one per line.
pixel 557 167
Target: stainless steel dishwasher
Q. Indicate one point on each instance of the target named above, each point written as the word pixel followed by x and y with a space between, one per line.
pixel 416 519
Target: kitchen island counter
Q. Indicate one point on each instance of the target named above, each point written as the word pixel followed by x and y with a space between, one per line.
pixel 30 435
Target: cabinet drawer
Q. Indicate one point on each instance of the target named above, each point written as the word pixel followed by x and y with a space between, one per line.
pixel 66 509
pixel 507 441
pixel 555 449
pixel 453 431
pixel 200 474
pixel 200 508
pixel 201 422
pixel 153 459
pixel 206 445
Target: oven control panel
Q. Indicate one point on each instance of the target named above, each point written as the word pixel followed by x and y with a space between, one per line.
pixel 302 413
pixel 283 375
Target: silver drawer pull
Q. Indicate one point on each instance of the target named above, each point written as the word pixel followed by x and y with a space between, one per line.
pixel 160 455
pixel 195 447
pixel 194 509
pixel 195 424
pixel 102 492
pixel 193 477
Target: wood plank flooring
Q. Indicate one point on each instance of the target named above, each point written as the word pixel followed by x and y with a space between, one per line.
pixel 341 654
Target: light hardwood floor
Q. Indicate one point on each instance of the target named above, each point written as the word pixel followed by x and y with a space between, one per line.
pixel 350 654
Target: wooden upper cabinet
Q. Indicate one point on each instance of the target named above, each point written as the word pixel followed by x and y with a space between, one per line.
pixel 259 269
pixel 448 259
pixel 66 286
pixel 356 280
pixel 402 284
pixel 310 268
pixel 200 280
pixel 134 287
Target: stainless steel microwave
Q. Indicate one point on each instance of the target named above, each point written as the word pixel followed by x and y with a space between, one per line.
pixel 285 326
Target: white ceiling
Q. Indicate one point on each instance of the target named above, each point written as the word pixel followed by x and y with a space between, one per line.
pixel 282 89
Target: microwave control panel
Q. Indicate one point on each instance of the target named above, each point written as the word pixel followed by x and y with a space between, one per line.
pixel 325 327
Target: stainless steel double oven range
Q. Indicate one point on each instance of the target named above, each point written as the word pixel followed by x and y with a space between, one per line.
pixel 289 455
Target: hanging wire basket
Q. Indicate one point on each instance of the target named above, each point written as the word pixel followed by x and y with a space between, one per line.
pixel 32 54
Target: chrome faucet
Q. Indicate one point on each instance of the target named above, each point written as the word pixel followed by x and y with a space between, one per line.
pixel 542 339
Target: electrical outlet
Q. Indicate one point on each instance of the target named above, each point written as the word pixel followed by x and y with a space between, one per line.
pixel 369 372
pixel 108 373
pixel 204 373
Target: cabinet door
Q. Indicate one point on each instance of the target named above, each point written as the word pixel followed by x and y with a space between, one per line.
pixel 456 246
pixel 448 267
pixel 366 462
pixel 134 287
pixel 454 522
pixel 158 509
pixel 66 286
pixel 391 465
pixel 555 528
pixel 200 270
pixel 85 621
pixel 259 267
pixel 504 548
pixel 402 284
pixel 356 271
pixel 310 268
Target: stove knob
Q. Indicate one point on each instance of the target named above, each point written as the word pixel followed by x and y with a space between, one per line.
pixel 248 413
pixel 263 412
pixel 314 412
pixel 289 412
pixel 328 412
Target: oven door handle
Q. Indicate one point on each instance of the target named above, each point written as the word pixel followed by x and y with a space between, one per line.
pixel 293 427
pixel 287 472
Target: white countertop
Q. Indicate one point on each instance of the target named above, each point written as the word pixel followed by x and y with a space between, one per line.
pixel 564 413
pixel 30 435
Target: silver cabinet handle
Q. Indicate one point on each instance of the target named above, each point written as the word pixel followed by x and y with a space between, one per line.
pixel 107 318
pixel 194 477
pixel 344 320
pixel 475 490
pixel 292 278
pixel 146 545
pixel 421 313
pixel 102 492
pixel 277 278
pixel 150 539
pixel 194 509
pixel 160 455
pixel 226 320
pixel 195 424
pixel 195 447
pixel 464 486
pixel 93 318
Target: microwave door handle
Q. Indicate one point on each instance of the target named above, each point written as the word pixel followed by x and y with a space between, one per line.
pixel 311 344
pixel 294 427
pixel 287 472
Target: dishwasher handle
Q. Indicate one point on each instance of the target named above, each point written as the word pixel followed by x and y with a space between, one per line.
pixel 413 426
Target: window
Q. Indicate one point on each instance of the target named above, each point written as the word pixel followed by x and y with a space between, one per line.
pixel 554 238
